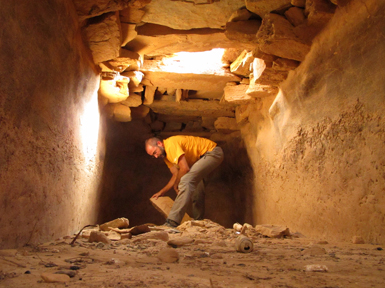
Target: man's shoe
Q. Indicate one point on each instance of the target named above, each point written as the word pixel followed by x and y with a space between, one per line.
pixel 170 223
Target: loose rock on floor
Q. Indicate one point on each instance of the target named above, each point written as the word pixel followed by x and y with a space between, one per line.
pixel 203 254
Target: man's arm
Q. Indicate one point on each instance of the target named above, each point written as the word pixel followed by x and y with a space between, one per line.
pixel 183 169
pixel 169 185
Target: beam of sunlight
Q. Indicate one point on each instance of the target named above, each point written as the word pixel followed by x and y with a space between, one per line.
pixel 207 62
pixel 89 128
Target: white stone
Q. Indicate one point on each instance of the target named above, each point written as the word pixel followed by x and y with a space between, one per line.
pixel 243 64
pixel 316 268
pixel 259 67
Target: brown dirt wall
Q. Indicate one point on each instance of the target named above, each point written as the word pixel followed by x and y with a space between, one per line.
pixel 47 186
pixel 318 148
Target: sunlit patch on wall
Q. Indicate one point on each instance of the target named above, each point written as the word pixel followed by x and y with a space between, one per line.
pixel 89 128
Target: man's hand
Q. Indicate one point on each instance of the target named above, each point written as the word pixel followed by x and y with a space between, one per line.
pixel 176 189
pixel 157 195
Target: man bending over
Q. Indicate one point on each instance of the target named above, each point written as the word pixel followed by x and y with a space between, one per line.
pixel 189 159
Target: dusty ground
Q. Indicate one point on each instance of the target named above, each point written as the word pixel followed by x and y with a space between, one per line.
pixel 210 261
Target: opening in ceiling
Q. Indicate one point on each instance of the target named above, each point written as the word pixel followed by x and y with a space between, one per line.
pixel 207 62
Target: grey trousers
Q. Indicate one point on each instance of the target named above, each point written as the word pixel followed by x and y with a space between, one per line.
pixel 191 186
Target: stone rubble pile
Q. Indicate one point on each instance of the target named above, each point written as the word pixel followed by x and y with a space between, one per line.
pixel 153 254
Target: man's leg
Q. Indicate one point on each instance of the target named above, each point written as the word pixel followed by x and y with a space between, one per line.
pixel 198 202
pixel 189 182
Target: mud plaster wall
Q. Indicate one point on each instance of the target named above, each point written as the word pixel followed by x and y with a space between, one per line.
pixel 48 188
pixel 131 177
pixel 318 153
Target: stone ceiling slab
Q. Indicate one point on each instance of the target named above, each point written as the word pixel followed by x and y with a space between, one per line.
pixel 156 74
pixel 91 8
pixel 186 15
pixel 153 40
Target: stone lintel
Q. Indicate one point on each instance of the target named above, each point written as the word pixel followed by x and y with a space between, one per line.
pixel 211 82
pixel 193 108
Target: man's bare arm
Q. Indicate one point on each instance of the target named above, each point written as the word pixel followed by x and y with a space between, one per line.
pixel 169 185
pixel 183 169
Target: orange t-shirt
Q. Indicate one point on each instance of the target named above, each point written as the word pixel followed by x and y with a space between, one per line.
pixel 189 146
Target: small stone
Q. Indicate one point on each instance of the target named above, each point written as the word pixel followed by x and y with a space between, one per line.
pixel 358 240
pixel 322 242
pixel 180 241
pixel 126 236
pixel 168 255
pixel 114 236
pixel 96 236
pixel 273 231
pixel 52 278
pixel 157 235
pixel 314 250
pixel 316 268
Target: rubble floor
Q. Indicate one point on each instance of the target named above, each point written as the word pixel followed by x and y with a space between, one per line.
pixel 210 261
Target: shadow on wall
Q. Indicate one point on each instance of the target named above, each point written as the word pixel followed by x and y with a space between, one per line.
pixel 229 191
pixel 131 177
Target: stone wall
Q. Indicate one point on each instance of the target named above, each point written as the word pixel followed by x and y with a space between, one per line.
pixel 318 147
pixel 49 167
